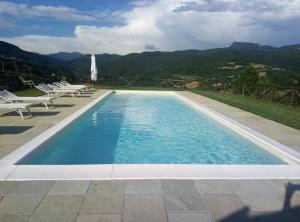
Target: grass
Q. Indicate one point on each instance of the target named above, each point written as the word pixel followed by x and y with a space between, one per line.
pixel 280 113
pixel 29 92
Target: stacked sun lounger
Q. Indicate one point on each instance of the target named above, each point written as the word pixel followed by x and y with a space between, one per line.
pixel 10 101
pixel 62 88
pixel 52 90
pixel 63 85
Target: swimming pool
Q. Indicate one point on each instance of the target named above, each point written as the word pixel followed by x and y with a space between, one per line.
pixel 147 128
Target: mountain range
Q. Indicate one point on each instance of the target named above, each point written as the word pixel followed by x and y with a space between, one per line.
pixel 180 64
pixel 66 56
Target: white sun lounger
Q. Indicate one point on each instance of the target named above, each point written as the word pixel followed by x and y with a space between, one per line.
pixel 75 87
pixel 65 83
pixel 52 92
pixel 17 107
pixel 12 98
pixel 54 87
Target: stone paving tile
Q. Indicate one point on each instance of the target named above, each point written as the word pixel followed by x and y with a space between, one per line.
pixel 213 186
pixel 143 187
pixel 7 149
pixel 22 204
pixel 6 186
pixel 253 186
pixel 68 187
pixel 259 195
pixel 32 187
pixel 144 208
pixel 261 201
pixel 281 185
pixel 97 204
pixel 190 217
pixel 181 186
pixel 58 208
pixel 222 205
pixel 14 218
pixel 184 202
pixel 99 218
pixel 108 188
pixel 182 195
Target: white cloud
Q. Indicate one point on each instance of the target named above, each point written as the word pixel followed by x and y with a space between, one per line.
pixel 234 5
pixel 61 13
pixel 171 25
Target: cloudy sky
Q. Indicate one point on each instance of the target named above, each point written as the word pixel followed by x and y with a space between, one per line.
pixel 122 27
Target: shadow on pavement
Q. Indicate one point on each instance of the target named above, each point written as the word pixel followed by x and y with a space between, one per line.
pixel 14 129
pixel 287 214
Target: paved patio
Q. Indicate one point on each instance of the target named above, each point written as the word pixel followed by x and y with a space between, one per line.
pixel 15 132
pixel 149 200
pixel 144 200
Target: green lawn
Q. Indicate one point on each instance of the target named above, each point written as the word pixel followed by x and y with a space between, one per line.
pixel 281 113
pixel 29 92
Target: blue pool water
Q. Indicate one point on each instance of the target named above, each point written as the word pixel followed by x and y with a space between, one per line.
pixel 132 128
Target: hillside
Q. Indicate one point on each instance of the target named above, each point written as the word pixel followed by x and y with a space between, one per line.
pixel 10 50
pixel 282 64
pixel 81 66
pixel 40 68
pixel 197 63
pixel 66 56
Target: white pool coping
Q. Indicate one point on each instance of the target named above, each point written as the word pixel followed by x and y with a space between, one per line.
pixel 10 171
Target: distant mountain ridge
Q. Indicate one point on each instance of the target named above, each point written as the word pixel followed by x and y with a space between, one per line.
pixel 42 67
pixel 244 45
pixel 66 56
pixel 294 47
pixel 249 45
pixel 192 62
pixel 10 50
pixel 196 63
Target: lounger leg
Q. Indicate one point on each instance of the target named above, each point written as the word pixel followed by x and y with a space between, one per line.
pixel 45 103
pixel 28 110
pixel 19 111
pixel 52 104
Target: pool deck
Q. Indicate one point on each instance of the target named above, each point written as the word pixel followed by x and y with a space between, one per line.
pixel 150 201
pixel 45 123
pixel 156 200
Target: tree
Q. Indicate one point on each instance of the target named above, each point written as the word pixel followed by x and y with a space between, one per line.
pixel 249 77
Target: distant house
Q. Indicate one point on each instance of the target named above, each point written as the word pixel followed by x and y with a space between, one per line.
pixel 278 69
pixel 231 66
pixel 262 74
pixel 259 66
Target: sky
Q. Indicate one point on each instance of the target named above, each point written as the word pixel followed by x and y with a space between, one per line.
pixel 123 27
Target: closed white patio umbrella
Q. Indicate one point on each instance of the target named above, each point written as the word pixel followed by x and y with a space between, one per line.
pixel 94 70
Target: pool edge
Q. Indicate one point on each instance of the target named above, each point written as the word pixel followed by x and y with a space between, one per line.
pixel 9 171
